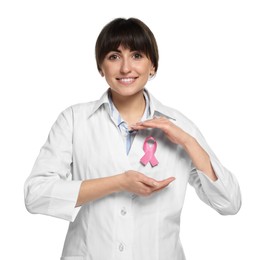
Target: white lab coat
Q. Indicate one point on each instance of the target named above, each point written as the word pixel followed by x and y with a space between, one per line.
pixel 84 143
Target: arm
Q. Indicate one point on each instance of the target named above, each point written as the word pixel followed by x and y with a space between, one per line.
pixel 198 155
pixel 214 184
pixel 48 191
pixel 130 181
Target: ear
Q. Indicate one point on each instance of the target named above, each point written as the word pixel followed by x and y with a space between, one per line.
pixel 152 71
pixel 101 73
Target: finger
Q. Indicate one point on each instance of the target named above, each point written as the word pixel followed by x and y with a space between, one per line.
pixel 158 185
pixel 166 182
pixel 138 127
pixel 146 124
pixel 150 182
pixel 150 122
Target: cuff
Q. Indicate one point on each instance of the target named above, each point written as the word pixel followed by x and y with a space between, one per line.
pixel 224 193
pixel 63 200
pixel 213 187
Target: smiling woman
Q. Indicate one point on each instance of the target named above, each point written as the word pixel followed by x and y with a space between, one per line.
pixel 132 34
pixel 126 72
pixel 115 198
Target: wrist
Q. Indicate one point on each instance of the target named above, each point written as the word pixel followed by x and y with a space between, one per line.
pixel 119 180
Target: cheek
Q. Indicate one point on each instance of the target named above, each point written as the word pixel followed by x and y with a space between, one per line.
pixel 106 72
pixel 142 69
pixel 147 73
pixel 109 70
pixel 147 68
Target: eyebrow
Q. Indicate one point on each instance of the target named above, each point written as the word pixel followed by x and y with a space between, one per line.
pixel 115 50
pixel 119 51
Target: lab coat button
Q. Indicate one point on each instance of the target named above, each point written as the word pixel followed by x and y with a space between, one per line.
pixel 123 211
pixel 121 247
pixel 134 196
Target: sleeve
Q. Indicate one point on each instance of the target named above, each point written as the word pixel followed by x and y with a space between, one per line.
pixel 49 190
pixel 223 194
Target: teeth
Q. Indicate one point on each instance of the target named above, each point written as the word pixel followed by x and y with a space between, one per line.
pixel 127 80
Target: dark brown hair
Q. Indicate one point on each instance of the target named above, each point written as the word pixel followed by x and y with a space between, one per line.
pixel 132 34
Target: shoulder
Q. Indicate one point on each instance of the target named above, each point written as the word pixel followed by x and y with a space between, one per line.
pixel 80 109
pixel 181 120
pixel 173 114
pixel 85 107
pixel 88 108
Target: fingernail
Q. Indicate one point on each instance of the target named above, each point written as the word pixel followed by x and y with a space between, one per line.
pixel 155 184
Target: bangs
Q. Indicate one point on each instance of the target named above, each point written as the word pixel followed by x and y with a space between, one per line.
pixel 131 34
pixel 129 37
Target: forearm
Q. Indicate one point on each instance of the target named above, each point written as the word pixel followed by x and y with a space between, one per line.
pixel 130 181
pixel 97 188
pixel 176 135
pixel 199 157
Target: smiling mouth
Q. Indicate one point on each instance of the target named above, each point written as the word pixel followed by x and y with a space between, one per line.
pixel 127 80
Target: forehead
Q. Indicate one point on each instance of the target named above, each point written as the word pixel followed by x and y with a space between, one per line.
pixel 131 45
pixel 122 49
pixel 131 39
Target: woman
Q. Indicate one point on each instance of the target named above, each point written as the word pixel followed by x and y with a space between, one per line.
pixel 130 159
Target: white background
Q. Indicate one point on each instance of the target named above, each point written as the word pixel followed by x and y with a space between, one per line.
pixel 209 70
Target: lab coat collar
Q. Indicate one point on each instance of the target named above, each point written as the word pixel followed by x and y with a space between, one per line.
pixel 156 107
pixel 104 100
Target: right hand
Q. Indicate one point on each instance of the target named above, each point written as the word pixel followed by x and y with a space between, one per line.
pixel 140 184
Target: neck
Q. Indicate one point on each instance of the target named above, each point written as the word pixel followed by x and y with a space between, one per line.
pixel 131 108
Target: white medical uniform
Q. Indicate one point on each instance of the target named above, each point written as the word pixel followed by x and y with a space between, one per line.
pixel 85 143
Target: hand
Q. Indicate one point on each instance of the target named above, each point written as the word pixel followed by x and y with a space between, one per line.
pixel 174 133
pixel 198 155
pixel 140 184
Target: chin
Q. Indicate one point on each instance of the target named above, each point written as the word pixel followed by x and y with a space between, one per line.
pixel 127 91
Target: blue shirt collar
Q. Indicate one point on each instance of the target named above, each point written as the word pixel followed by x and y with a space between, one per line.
pixel 156 108
pixel 114 113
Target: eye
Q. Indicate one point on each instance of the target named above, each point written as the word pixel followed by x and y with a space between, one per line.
pixel 137 55
pixel 113 56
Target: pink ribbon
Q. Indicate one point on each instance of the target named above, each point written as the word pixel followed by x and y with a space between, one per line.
pixel 149 150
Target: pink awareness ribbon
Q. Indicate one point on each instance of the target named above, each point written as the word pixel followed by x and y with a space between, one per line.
pixel 149 150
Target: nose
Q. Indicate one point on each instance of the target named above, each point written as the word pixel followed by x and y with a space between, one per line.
pixel 125 66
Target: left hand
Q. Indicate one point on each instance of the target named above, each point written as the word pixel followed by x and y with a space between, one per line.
pixel 174 133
